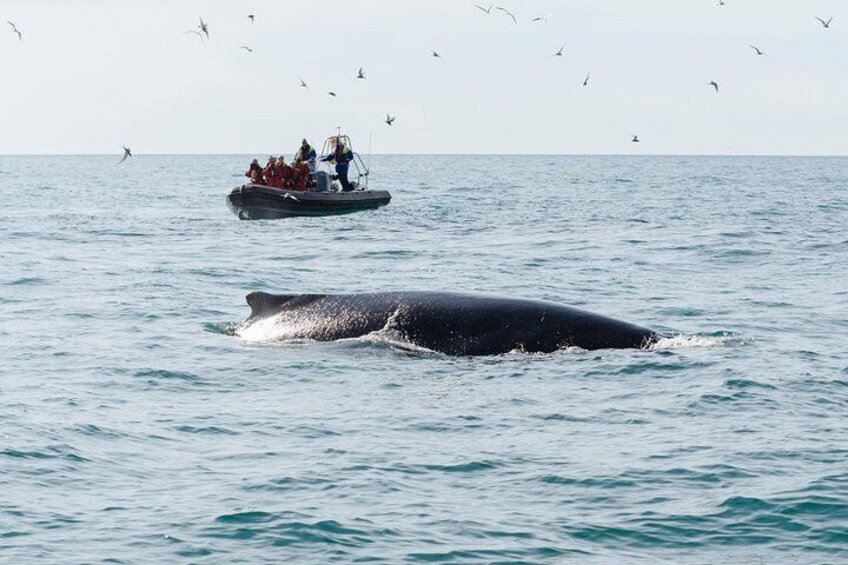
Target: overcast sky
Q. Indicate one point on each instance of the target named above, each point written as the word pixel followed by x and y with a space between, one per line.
pixel 91 75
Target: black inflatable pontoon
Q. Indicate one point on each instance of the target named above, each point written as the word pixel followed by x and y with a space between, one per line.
pixel 256 202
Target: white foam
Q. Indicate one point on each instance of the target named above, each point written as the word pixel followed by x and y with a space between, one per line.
pixel 691 341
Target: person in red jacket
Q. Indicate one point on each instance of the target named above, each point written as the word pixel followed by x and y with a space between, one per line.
pixel 271 172
pixel 301 176
pixel 285 173
pixel 254 173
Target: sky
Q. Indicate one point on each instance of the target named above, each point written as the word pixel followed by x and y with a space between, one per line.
pixel 92 75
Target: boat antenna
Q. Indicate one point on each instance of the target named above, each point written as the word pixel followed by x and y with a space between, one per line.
pixel 368 167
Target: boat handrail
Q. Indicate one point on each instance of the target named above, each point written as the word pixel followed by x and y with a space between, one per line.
pixel 358 163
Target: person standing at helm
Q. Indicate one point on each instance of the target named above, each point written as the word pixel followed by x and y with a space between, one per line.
pixel 341 156
pixel 306 154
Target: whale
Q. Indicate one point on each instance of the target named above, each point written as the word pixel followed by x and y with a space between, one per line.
pixel 444 322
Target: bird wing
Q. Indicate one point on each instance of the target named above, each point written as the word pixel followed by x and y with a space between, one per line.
pixel 821 20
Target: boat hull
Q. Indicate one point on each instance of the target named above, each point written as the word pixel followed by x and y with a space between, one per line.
pixel 256 202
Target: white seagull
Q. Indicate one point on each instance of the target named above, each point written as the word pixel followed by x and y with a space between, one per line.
pixel 484 9
pixel 204 28
pixel 390 119
pixel 826 24
pixel 361 73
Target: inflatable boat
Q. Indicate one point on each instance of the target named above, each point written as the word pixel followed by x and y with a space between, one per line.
pixel 323 195
pixel 257 202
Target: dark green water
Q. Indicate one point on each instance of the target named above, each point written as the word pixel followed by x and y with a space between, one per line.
pixel 135 430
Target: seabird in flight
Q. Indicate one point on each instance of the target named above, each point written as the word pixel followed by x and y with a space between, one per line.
pixel 127 153
pixel 15 29
pixel 507 12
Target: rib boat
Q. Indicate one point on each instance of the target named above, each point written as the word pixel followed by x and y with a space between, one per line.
pixel 323 196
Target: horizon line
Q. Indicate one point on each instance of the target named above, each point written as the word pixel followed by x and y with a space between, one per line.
pixel 227 154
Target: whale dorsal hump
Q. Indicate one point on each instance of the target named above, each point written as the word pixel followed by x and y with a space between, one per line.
pixel 261 303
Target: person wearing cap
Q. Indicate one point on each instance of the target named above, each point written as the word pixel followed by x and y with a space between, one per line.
pixel 254 173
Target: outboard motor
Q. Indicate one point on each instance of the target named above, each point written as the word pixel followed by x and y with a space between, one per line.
pixel 322 181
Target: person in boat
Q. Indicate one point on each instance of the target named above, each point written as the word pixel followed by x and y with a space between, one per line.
pixel 341 156
pixel 254 173
pixel 285 172
pixel 306 154
pixel 300 176
pixel 272 172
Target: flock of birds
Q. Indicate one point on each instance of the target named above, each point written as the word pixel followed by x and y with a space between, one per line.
pixel 202 32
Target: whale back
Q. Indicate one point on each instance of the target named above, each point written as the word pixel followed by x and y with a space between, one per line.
pixel 451 323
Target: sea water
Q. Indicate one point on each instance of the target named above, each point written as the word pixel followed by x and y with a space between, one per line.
pixel 135 429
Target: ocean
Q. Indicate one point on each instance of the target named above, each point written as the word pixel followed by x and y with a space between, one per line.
pixel 136 429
